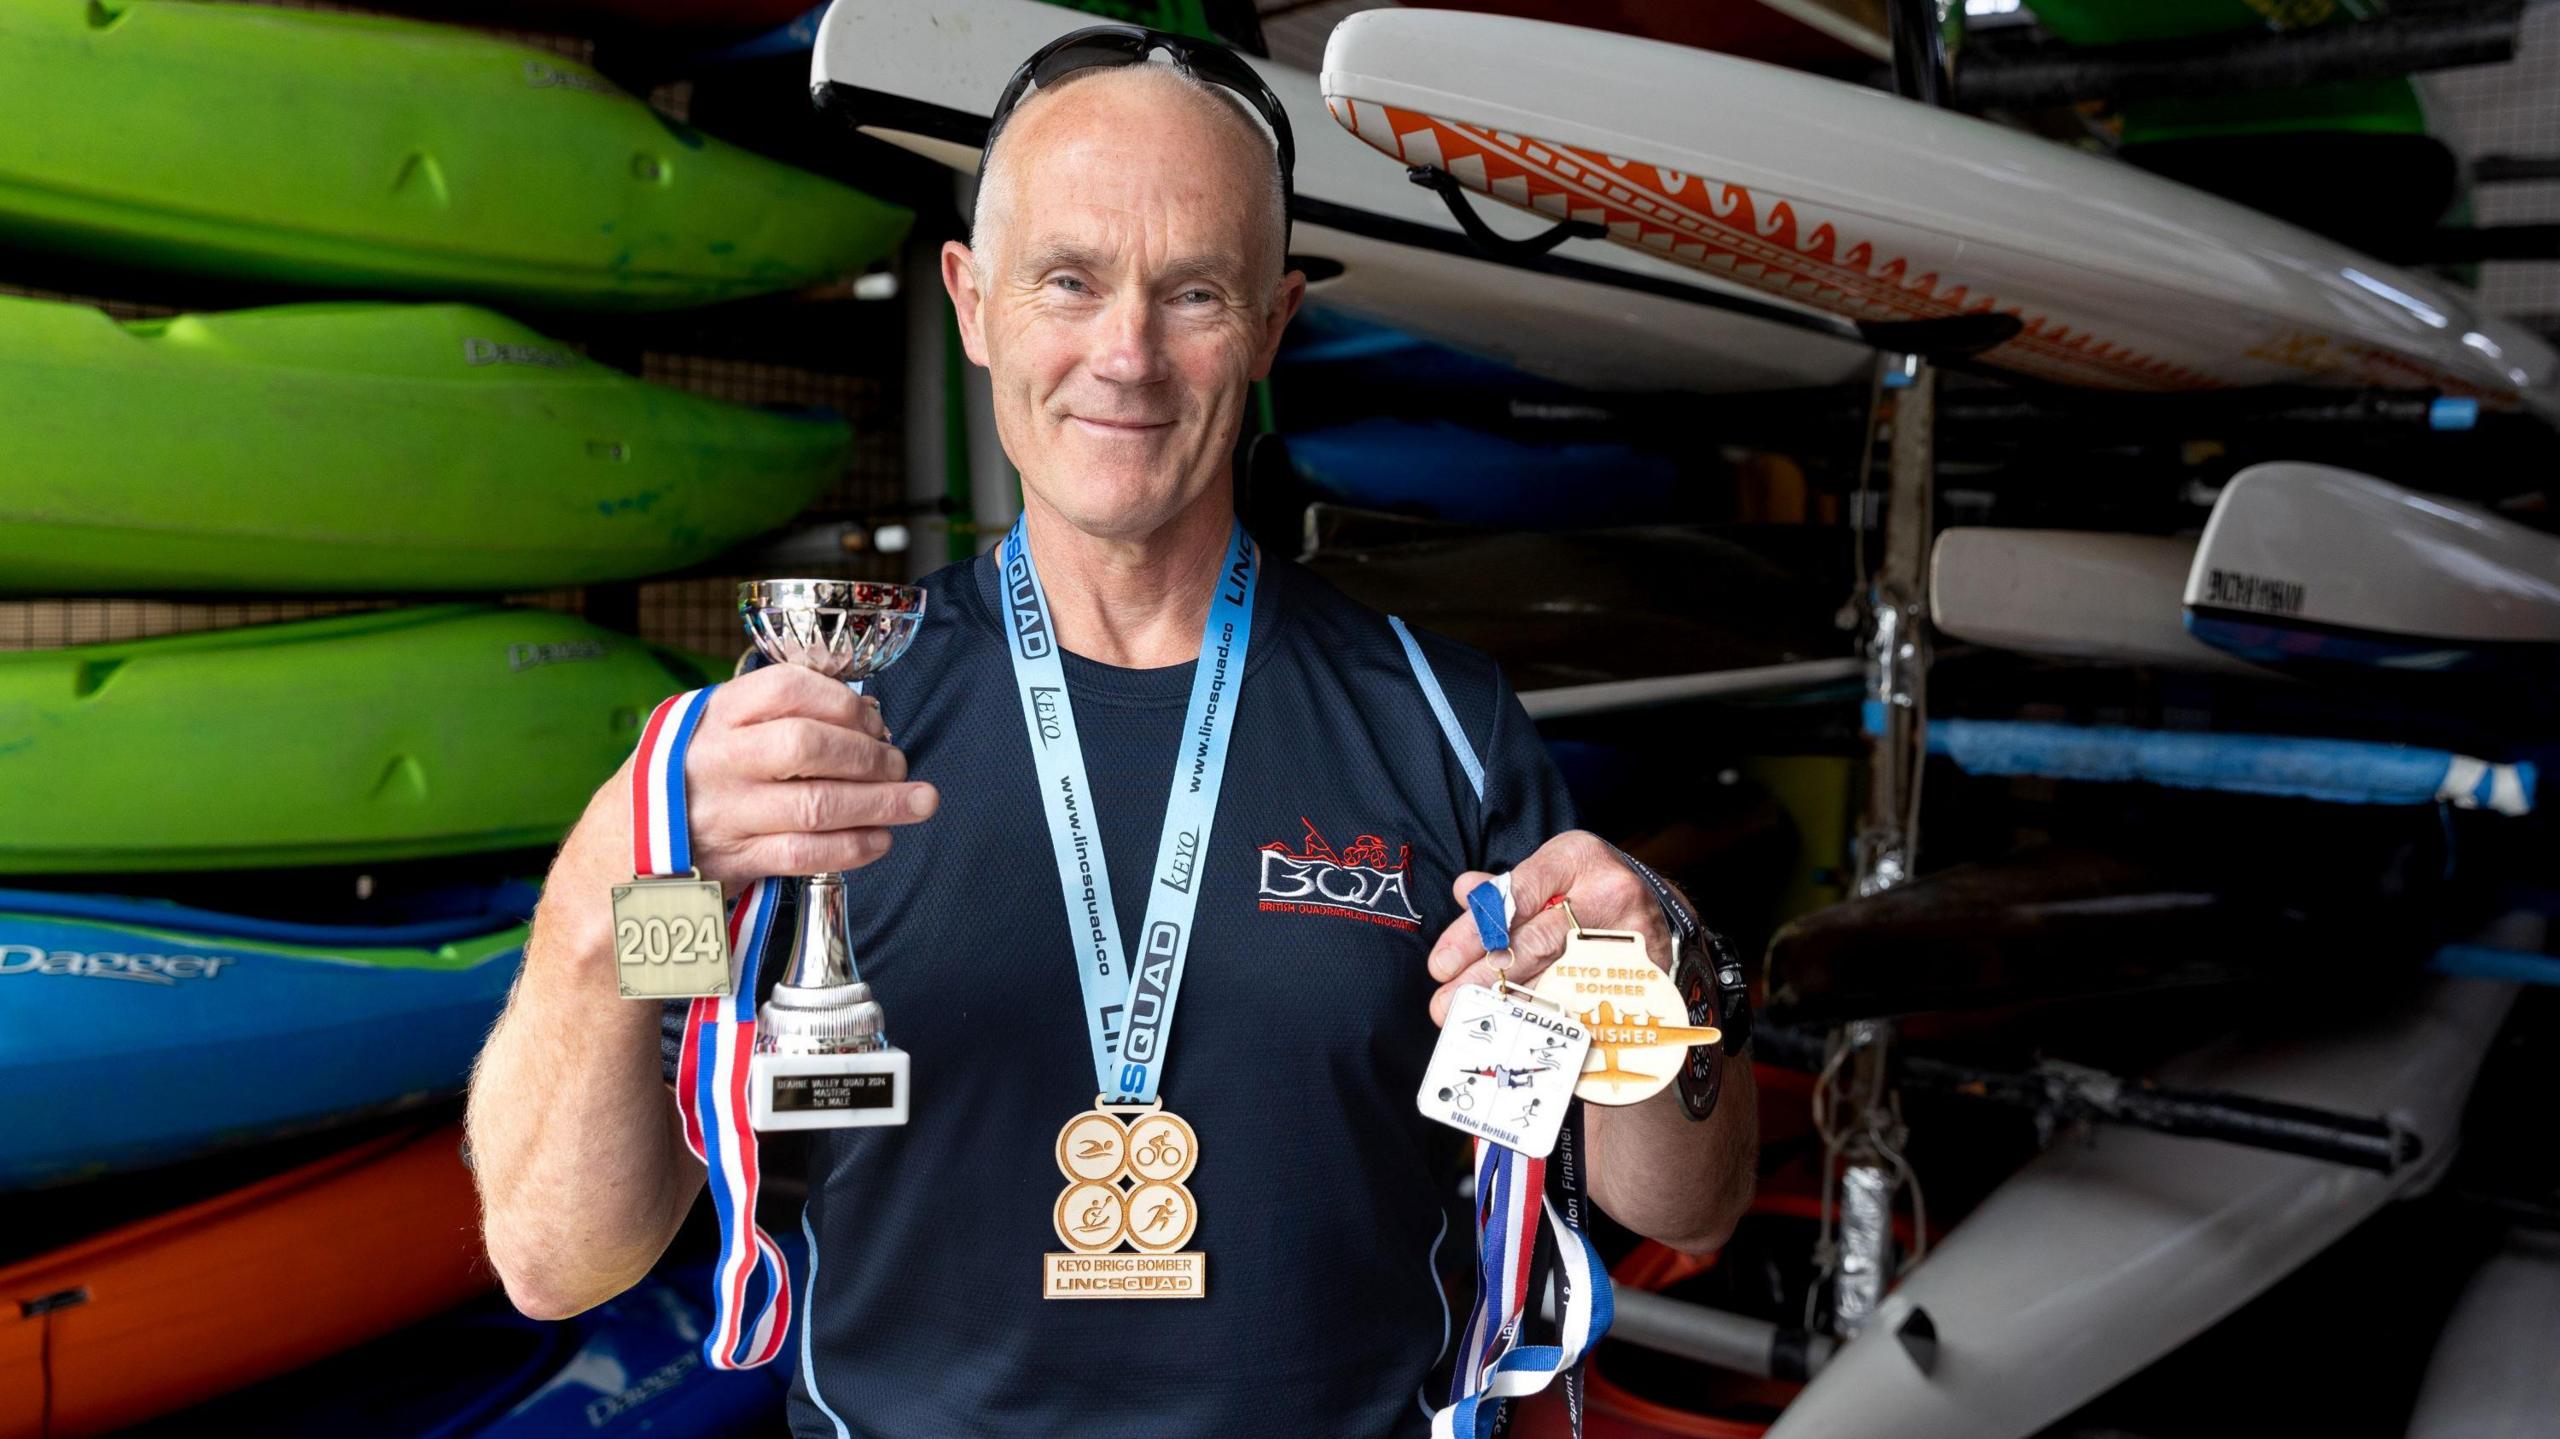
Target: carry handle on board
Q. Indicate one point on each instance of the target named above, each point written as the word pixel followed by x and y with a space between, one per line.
pixel 1951 338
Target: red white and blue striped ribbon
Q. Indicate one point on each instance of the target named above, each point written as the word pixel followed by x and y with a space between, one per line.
pixel 751 1310
pixel 752 1284
pixel 1511 1192
pixel 661 833
pixel 1493 1363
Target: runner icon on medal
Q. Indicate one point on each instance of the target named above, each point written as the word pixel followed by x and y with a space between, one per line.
pixel 1161 1216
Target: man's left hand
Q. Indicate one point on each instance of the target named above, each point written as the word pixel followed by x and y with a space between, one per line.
pixel 1581 867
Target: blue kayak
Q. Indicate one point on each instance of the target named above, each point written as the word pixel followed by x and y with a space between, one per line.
pixel 1479 477
pixel 630 1366
pixel 157 1031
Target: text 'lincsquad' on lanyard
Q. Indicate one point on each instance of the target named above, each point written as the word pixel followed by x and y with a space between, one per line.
pixel 1128 1022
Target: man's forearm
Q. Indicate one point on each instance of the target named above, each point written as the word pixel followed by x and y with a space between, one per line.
pixel 574 1135
pixel 1683 1182
pixel 1670 1178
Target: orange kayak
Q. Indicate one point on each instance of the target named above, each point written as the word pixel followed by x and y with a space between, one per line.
pixel 175 1309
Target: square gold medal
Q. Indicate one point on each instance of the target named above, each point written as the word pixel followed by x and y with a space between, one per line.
pixel 670 939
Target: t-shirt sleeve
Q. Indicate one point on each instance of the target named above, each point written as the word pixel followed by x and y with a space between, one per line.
pixel 1525 800
pixel 1521 800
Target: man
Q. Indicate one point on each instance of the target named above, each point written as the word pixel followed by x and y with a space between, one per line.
pixel 1124 285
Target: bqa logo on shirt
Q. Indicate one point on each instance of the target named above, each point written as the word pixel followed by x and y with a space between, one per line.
pixel 1356 883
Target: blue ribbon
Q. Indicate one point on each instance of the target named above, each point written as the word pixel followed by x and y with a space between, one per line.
pixel 1128 1021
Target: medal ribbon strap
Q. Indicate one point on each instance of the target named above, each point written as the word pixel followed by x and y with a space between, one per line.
pixel 1584 1311
pixel 752 1289
pixel 1129 1066
pixel 1493 1363
pixel 661 832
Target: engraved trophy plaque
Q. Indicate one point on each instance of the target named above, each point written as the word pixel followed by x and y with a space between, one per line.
pixel 823 1060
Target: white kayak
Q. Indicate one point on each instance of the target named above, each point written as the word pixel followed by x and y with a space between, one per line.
pixel 1875 208
pixel 2071 594
pixel 2310 562
pixel 2496 1370
pixel 925 73
pixel 2113 1248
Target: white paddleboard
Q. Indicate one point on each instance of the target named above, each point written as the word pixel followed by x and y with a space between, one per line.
pixel 2071 594
pixel 2112 1249
pixel 2312 562
pixel 1876 208
pixel 924 73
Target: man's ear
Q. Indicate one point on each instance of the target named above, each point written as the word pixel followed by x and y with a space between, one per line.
pixel 960 280
pixel 1285 300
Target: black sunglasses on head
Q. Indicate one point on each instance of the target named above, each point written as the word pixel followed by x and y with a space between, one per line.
pixel 1111 46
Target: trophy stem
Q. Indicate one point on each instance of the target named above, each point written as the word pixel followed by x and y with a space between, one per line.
pixel 820 1007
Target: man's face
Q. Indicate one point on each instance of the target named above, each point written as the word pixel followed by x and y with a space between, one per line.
pixel 1129 299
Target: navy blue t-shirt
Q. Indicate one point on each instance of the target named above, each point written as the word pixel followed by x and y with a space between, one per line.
pixel 1296 1047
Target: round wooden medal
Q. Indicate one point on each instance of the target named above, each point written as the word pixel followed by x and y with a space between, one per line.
pixel 1640 1035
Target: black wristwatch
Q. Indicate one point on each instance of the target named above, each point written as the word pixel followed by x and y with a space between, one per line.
pixel 1711 982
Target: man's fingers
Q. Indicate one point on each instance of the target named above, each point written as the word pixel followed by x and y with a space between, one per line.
pixel 1455 949
pixel 794 747
pixel 1479 973
pixel 817 806
pixel 803 853
pixel 780 691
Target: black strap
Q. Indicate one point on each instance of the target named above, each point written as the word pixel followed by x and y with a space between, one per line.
pixel 1568 1186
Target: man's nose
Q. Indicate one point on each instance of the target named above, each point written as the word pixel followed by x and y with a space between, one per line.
pixel 1129 344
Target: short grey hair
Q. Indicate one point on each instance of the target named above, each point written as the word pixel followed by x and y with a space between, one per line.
pixel 995 191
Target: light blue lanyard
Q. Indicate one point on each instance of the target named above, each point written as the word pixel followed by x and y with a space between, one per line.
pixel 1129 1066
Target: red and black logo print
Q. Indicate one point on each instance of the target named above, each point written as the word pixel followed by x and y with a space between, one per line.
pixel 1361 881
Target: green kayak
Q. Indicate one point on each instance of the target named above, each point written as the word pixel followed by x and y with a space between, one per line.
pixel 2115 22
pixel 394 734
pixel 291 146
pixel 363 447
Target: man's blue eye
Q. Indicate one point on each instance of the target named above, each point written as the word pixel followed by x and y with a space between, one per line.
pixel 1069 282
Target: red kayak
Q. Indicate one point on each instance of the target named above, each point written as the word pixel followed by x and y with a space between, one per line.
pixel 172 1310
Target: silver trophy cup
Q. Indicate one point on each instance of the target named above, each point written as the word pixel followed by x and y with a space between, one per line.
pixel 823 1060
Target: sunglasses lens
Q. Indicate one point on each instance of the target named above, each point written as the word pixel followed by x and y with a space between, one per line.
pixel 1086 52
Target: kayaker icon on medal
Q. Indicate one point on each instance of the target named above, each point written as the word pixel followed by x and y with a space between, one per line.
pixel 823 1059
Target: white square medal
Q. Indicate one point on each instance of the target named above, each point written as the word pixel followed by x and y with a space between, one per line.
pixel 1504 1069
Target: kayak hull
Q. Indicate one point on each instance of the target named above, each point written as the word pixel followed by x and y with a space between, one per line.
pixel 2313 564
pixel 2071 594
pixel 387 734
pixel 1876 209
pixel 2114 1248
pixel 173 1310
pixel 2492 1376
pixel 189 1031
pixel 630 1366
pixel 430 447
pixel 428 160
pixel 1676 600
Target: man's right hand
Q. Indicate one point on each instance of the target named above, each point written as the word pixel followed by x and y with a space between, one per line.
pixel 793 773
pixel 583 1170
